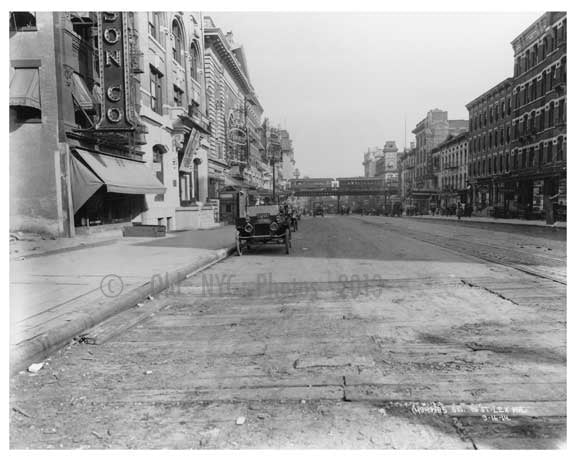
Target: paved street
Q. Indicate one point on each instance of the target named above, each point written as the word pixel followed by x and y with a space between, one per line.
pixel 374 333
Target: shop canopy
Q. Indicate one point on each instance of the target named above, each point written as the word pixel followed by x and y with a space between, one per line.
pixel 24 89
pixel 117 174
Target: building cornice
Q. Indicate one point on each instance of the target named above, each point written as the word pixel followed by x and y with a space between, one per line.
pixel 221 46
pixel 508 82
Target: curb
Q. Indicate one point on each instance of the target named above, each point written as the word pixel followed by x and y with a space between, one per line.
pixel 41 346
pixel 503 221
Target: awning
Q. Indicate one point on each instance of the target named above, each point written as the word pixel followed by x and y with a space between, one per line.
pixel 81 93
pixel 228 181
pixel 121 175
pixel 84 183
pixel 24 88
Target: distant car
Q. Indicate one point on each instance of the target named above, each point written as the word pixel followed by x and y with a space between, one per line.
pixel 318 212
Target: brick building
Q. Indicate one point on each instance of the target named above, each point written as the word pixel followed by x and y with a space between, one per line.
pixel 517 164
pixel 539 144
pixel 490 140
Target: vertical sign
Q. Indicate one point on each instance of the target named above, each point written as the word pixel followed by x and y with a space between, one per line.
pixel 114 72
pixel 190 151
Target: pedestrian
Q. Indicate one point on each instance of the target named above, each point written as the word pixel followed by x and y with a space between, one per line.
pixel 459 211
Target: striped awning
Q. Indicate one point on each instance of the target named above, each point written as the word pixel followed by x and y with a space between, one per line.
pixel 121 175
pixel 24 87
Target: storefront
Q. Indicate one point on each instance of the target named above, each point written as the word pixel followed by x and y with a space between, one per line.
pixel 109 189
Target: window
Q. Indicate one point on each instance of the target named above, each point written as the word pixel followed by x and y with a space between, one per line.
pixel 25 95
pixel 543 84
pixel 541 154
pixel 178 41
pixel 561 113
pixel 524 95
pixel 155 90
pixel 508 134
pixel 555 38
pixel 551 117
pixel 549 153
pixel 22 21
pixel 560 150
pixel 155 24
pixel 178 96
pixel 195 61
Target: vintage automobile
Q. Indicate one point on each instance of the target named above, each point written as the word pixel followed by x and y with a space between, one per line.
pixel 263 224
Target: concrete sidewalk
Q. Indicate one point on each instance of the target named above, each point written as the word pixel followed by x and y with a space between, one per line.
pixel 57 295
pixel 519 222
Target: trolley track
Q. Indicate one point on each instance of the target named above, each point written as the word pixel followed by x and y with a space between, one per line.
pixel 483 251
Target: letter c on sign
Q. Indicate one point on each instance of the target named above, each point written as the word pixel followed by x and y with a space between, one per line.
pixel 114 93
pixel 114 114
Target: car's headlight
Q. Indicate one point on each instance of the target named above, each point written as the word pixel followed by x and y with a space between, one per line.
pixel 248 228
pixel 274 227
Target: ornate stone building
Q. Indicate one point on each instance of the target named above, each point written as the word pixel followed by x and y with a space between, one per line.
pixel 453 186
pixel 430 132
pixel 236 148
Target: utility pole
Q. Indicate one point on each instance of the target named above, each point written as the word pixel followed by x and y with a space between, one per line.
pixel 273 177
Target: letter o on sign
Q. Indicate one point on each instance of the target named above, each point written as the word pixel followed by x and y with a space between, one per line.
pixel 114 114
pixel 111 36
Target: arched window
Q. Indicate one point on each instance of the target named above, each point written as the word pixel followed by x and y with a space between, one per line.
pixel 178 41
pixel 194 61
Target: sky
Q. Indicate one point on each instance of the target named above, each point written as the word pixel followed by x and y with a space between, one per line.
pixel 343 82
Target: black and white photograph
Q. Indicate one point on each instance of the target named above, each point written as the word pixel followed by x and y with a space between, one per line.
pixel 287 227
